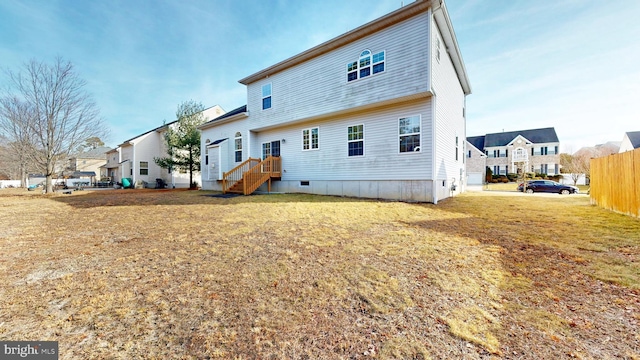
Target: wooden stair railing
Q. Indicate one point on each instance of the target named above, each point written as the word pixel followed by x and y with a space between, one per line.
pixel 261 173
pixel 233 177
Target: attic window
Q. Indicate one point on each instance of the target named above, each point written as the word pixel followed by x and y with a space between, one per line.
pixel 367 64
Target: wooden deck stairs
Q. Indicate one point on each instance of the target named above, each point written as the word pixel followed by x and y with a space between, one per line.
pixel 250 174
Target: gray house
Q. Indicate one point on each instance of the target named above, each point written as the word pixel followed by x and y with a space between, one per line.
pixel 538 149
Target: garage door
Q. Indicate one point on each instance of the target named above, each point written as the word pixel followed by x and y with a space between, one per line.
pixel 474 179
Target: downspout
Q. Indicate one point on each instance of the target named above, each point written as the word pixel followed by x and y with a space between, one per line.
pixel 133 164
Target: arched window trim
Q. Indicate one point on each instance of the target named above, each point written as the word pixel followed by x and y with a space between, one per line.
pixel 368 64
pixel 238 147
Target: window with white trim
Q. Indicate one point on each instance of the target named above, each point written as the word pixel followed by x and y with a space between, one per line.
pixel 144 168
pixel 310 139
pixel 238 147
pixel 355 139
pixel 368 64
pixel 409 133
pixel 206 156
pixel 266 96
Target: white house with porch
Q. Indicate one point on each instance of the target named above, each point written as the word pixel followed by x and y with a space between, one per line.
pixel 378 112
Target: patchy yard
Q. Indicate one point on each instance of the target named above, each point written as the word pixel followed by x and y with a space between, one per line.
pixel 175 274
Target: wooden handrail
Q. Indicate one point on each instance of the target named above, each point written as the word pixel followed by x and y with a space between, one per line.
pixel 260 173
pixel 236 174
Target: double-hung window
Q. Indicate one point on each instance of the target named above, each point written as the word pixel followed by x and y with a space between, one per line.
pixel 368 64
pixel 266 96
pixel 409 133
pixel 355 138
pixel 310 139
pixel 144 168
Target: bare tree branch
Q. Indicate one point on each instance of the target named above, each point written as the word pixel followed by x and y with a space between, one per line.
pixel 64 116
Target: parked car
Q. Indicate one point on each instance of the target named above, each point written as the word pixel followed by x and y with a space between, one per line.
pixel 549 187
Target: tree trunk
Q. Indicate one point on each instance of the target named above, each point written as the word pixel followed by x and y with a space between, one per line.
pixel 49 185
pixel 191 169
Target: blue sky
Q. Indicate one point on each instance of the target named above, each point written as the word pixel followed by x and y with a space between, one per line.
pixel 570 64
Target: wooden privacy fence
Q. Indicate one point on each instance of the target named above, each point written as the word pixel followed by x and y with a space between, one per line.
pixel 615 182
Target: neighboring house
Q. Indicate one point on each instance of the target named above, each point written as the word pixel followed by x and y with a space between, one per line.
pixel 87 164
pixel 137 156
pixel 111 169
pixel 476 160
pixel 378 112
pixel 630 141
pixel 537 150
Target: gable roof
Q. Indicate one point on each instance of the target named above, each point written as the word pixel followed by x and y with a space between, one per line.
pixel 634 137
pixel 477 142
pixel 441 16
pixel 536 136
pixel 241 110
pixel 97 153
pixel 161 127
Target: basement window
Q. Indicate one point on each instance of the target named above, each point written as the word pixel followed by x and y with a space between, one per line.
pixel 304 183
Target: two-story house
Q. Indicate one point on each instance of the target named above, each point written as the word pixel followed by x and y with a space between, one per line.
pixel 535 150
pixel 86 164
pixel 136 156
pixel 378 112
pixel 111 169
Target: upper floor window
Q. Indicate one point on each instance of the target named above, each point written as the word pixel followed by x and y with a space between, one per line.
pixel 310 139
pixel 543 150
pixel 409 133
pixel 238 147
pixel 356 140
pixel 520 154
pixel 368 64
pixel 266 96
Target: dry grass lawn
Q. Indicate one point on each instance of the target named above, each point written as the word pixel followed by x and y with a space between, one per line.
pixel 154 274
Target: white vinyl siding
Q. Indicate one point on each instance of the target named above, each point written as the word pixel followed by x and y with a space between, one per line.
pixel 449 113
pixel 319 86
pixel 382 160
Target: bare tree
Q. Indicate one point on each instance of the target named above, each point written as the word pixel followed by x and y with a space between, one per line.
pixel 16 117
pixel 573 165
pixel 63 117
pixel 580 162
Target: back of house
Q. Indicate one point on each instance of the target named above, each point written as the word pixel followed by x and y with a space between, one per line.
pixel 378 112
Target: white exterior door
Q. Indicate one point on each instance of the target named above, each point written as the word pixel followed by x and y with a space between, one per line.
pixel 218 160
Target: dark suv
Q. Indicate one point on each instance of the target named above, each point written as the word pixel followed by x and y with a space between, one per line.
pixel 548 186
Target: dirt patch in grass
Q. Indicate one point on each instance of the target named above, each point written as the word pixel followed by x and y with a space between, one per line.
pixel 178 274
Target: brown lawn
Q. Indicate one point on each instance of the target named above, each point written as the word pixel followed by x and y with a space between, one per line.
pixel 127 274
